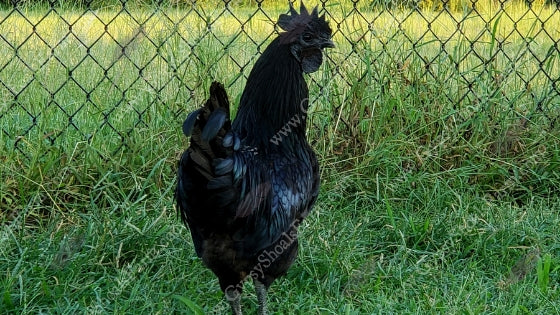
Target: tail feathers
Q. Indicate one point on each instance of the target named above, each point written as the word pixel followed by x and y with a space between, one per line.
pixel 188 125
pixel 211 117
pixel 213 125
pixel 212 141
pixel 223 166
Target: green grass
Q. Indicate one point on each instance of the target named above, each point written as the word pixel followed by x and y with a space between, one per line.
pixel 440 163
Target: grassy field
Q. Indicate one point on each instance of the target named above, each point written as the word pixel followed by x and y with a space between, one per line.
pixel 440 162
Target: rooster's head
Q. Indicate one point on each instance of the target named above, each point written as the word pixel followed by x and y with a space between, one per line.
pixel 307 34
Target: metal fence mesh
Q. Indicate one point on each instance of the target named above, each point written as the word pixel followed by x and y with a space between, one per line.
pixel 95 74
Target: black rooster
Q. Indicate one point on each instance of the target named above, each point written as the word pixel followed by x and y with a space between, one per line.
pixel 243 188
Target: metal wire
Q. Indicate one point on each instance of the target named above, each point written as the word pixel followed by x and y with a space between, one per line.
pixel 95 46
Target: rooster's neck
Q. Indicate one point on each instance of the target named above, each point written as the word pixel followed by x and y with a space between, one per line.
pixel 273 107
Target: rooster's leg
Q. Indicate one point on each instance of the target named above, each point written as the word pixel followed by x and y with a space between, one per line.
pixel 261 296
pixel 236 305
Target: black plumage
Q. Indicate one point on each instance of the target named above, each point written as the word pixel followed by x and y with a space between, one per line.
pixel 244 186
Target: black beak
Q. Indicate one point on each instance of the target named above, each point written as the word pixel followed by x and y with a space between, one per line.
pixel 327 44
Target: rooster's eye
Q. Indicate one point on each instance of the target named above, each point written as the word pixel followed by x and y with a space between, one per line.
pixel 307 37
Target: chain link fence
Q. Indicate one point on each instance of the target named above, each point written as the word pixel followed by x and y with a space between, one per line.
pixel 99 71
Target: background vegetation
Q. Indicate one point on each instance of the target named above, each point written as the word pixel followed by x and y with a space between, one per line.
pixel 437 133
